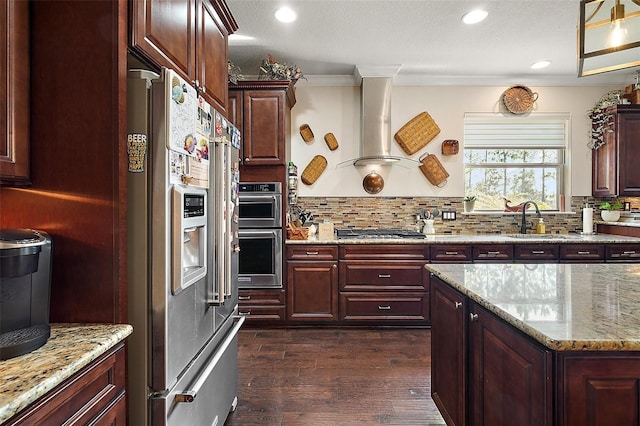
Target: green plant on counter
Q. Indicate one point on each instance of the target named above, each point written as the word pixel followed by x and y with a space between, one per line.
pixel 469 198
pixel 616 205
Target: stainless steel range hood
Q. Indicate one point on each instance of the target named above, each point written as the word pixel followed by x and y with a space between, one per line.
pixel 375 124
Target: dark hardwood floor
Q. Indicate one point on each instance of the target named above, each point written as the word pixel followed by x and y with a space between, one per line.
pixel 334 377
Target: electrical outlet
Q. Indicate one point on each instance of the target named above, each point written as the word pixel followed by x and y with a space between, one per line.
pixel 449 215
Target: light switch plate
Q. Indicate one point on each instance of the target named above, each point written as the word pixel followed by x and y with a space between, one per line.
pixel 449 215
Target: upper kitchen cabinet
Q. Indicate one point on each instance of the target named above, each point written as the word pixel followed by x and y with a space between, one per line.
pixel 262 111
pixel 188 36
pixel 615 164
pixel 14 74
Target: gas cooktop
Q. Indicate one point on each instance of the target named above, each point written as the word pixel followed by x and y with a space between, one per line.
pixel 377 233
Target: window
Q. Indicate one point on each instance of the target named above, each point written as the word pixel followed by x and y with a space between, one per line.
pixel 515 158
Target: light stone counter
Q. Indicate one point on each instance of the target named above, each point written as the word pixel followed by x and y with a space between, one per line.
pixel 482 239
pixel 71 347
pixel 580 307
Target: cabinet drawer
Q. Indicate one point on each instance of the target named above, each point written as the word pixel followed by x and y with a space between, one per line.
pixel 312 252
pixel 384 251
pixel 262 313
pixel 382 275
pixel 623 253
pixel 582 252
pixel 457 253
pixel 88 394
pixel 536 252
pixel 261 297
pixel 494 253
pixel 372 306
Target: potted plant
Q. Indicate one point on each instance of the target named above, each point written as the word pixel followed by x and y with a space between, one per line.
pixel 469 203
pixel 610 211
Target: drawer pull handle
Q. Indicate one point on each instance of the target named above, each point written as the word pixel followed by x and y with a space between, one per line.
pixel 450 253
pixel 384 308
pixel 384 275
pixel 493 252
pixel 629 252
pixel 458 305
pixel 473 317
pixel 312 253
pixel 244 297
pixel 244 313
pixel 537 251
pixel 584 252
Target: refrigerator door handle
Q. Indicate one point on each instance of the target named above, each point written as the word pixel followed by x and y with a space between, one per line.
pixel 190 395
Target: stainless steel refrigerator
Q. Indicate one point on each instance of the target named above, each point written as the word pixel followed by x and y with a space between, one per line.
pixel 182 254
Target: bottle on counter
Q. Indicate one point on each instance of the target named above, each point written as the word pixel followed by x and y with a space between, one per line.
pixel 541 228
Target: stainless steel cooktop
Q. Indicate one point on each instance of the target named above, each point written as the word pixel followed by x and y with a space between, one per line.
pixel 377 233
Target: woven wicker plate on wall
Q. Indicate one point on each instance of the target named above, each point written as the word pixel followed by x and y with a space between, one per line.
pixel 519 99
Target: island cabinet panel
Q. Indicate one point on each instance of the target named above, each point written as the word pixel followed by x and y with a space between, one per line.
pixel 598 389
pixel 261 306
pixel 510 378
pixel 448 352
pixel 536 252
pixel 384 306
pixel 582 253
pixel 95 395
pixel 448 253
pixel 493 253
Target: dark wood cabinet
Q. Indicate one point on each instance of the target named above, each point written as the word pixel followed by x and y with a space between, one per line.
pixel 262 112
pixel 615 164
pixel 509 374
pixel 451 253
pixel 536 252
pixel 262 305
pixel 188 36
pixel 384 283
pixel 14 76
pixel 582 253
pixel 448 352
pixel 493 253
pixel 95 395
pixel 598 389
pixel 623 253
pixel 312 283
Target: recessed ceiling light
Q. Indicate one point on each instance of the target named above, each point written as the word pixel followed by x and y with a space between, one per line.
pixel 285 14
pixel 540 64
pixel 474 16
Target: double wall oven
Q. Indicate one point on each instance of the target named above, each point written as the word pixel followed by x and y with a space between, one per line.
pixel 260 235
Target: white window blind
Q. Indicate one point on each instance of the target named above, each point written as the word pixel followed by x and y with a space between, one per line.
pixel 531 131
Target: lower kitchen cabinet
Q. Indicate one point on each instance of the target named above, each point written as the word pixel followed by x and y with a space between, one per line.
pixel 582 253
pixel 536 253
pixel 95 395
pixel 623 253
pixel 384 284
pixel 262 305
pixel 312 283
pixel 493 253
pixel 484 372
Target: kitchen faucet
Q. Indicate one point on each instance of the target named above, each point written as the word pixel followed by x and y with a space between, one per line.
pixel 524 226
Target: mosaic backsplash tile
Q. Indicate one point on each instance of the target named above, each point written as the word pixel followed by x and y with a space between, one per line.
pixel 400 212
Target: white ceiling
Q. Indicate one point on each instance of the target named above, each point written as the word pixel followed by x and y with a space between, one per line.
pixel 425 37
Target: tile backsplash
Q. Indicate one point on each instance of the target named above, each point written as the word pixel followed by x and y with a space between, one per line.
pixel 400 212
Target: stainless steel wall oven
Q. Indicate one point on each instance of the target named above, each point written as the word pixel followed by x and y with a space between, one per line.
pixel 260 235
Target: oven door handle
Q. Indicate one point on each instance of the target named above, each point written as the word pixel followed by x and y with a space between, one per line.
pixel 190 395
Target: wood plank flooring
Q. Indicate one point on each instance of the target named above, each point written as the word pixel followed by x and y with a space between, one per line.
pixel 334 377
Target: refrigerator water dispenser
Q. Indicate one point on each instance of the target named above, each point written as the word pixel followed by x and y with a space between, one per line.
pixel 189 234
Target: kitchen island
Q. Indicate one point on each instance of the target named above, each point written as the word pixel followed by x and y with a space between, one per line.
pixel 536 343
pixel 79 373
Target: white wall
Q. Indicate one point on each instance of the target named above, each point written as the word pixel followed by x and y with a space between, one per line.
pixel 337 110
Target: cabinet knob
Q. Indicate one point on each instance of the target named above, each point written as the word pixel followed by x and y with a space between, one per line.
pixel 473 317
pixel 458 305
pixel 246 160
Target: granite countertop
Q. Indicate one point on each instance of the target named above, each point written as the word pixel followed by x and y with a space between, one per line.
pixel 26 378
pixel 482 239
pixel 584 307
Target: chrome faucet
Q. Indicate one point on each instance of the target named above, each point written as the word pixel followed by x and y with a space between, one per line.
pixel 523 225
